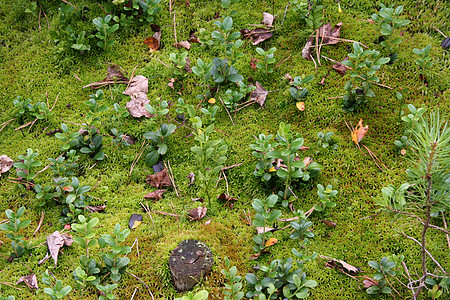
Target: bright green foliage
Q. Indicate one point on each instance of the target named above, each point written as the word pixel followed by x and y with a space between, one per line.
pixel 296 89
pixel 326 141
pixel 209 114
pixel 310 12
pixel 424 62
pixel 70 139
pixel 403 143
pixel 263 145
pixel 203 70
pixel 263 217
pixel 24 106
pixel 76 199
pixel 12 228
pixel 325 196
pixel 179 61
pixel 82 278
pixel 104 30
pixel 394 197
pixel 383 269
pixel 26 168
pixel 201 295
pixel 364 64
pixel 440 286
pixel 86 231
pixel 301 227
pixel 107 290
pixel 230 41
pixel 39 110
pixel 138 10
pixel 268 59
pixel 233 98
pixel 222 72
pixel 56 290
pixel 114 261
pixel 234 285
pixel 286 276
pixel 388 18
pixel 209 156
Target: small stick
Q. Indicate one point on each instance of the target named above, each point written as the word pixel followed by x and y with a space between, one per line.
pixel 90 168
pixel 313 60
pixel 48 23
pixel 309 212
pixel 174 27
pixel 292 192
pixel 134 293
pixel 232 166
pixel 10 285
pixel 317 47
pixel 226 109
pixel 374 157
pixel 40 223
pixel 137 247
pixel 285 11
pixel 279 64
pixel 439 31
pixel 142 283
pixel 171 177
pixel 445 226
pixel 170 7
pixel 70 122
pixel 175 213
pixel 250 103
pixel 76 76
pixel 226 182
pixel 162 62
pixel 39 19
pixel 102 8
pixel 136 159
pixel 146 208
pixel 135 241
pixel 166 214
pixel 67 2
pixel 6 123
pixel 222 132
pixel 32 123
pixel 131 78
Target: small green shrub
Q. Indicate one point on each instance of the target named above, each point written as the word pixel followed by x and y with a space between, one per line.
pixel 12 228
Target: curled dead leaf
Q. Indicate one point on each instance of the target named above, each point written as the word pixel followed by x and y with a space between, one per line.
pixel 340 68
pixel 229 200
pixel 194 39
pixel 368 282
pixel 260 230
pixel 330 36
pixel 30 281
pixel 329 223
pixel 197 213
pixel 154 41
pixel 259 94
pixel 5 164
pixel 267 19
pixel 256 35
pixel 341 265
pixel 136 106
pixel 55 242
pixel 183 44
pixel 171 82
pixel 159 180
pixel 139 84
pixel 191 178
pixel 359 132
pixel 155 195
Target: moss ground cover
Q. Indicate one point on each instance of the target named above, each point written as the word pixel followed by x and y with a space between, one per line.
pixel 32 67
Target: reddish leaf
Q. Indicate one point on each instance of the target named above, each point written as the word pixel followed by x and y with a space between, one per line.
pixel 159 180
pixel 270 242
pixel 197 213
pixel 154 41
pixel 183 44
pixel 359 132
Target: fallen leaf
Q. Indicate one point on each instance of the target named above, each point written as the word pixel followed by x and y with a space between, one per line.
pixel 187 66
pixel 303 148
pixel 99 208
pixel 211 101
pixel 267 19
pixel 5 164
pixel 306 51
pixel 184 44
pixel 114 76
pixel 288 77
pixel 445 43
pixel 343 266
pixel 256 35
pixel 136 106
pixel 253 63
pixel 171 82
pixel 260 230
pixel 159 180
pixel 300 106
pixel 154 41
pixel 139 84
pixel 30 281
pixel 135 221
pixel 227 198
pixel 359 132
pixel 307 161
pixel 54 243
pixel 194 39
pixel 368 282
pixel 259 94
pixel 340 68
pixel 191 178
pixel 329 223
pixel 155 195
pixel 198 199
pixel 270 242
pixel 329 36
pixel 128 139
pixel 197 213
pixel 255 256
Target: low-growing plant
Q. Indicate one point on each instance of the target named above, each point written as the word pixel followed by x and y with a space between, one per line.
pixel 264 167
pixel 76 200
pixel 364 64
pixel 137 10
pixel 310 12
pixel 383 269
pixel 325 195
pixel 12 228
pixel 325 140
pixel 179 62
pixel 388 18
pixel 267 60
pixel 233 285
pixel 230 41
pixel 56 290
pixel 424 61
pixel 107 291
pixel 301 227
pixel 200 295
pixel 70 139
pixel 209 156
pixel 104 30
pixel 402 144
pixel 263 217
pixel 203 70
pixel 298 92
pixel 26 165
pixel 82 278
pixel 209 114
pixel 86 231
pixel 233 98
pixel 223 73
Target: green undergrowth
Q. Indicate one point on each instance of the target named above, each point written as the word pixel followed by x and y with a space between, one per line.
pixel 31 67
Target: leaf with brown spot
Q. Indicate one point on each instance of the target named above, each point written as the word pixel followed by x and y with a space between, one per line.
pixel 136 106
pixel 139 84
pixel 259 94
pixel 340 68
pixel 159 180
pixel 155 195
pixel 183 44
pixel 98 208
pixel 300 106
pixel 5 164
pixel 197 213
pixel 30 281
pixel 54 243
pixel 256 35
pixel 359 132
pixel 270 242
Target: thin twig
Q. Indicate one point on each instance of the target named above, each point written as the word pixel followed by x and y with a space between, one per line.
pixel 226 182
pixel 146 208
pixel 280 62
pixel 137 157
pixel 232 166
pixel 40 223
pixel 429 254
pixel 285 11
pixel 171 177
pixel 311 210
pixel 314 61
pixel 445 226
pixel 439 31
pixel 148 288
pixel 134 293
pixel 10 285
pixel 166 214
pixel 67 2
pixel 175 213
pixel 226 109
pixel 45 15
pixel 175 28
pixel 39 19
pixel 162 62
pixel 131 78
pixel 6 123
pixel 135 241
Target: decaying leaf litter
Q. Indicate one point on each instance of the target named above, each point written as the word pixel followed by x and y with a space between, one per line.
pixel 180 176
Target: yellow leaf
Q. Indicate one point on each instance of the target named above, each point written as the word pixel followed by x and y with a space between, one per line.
pixel 136 224
pixel 272 169
pixel 359 132
pixel 212 100
pixel 300 106
pixel 270 242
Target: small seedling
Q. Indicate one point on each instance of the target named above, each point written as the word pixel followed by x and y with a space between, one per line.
pixel 402 144
pixel 26 165
pixel 267 61
pixel 424 62
pixel 223 73
pixel 86 231
pixel 203 70
pixel 310 12
pixel 107 290
pixel 325 196
pixel 201 295
pixel 56 290
pixel 263 217
pixel 104 30
pixel 233 98
pixel 326 141
pixel 383 269
pixel 12 228
pixel 298 92
pixel 137 10
pixel 228 40
pixel 179 61
pixel 234 285
pixel 301 227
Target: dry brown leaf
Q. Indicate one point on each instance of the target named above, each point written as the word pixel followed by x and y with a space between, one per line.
pixel 187 66
pixel 30 281
pixel 155 195
pixel 267 19
pixel 191 178
pixel 306 51
pixel 5 164
pixel 197 213
pixel 307 161
pixel 171 82
pixel 329 223
pixel 259 94
pixel 340 68
pixel 184 44
pixel 136 106
pixel 359 132
pixel 114 75
pixel 343 266
pixel 253 63
pixel 256 35
pixel 260 230
pixel 194 39
pixel 159 180
pixel 154 41
pixel 227 198
pixel 328 34
pixel 199 200
pixel 99 208
pixel 368 282
pixel 54 243
pixel 139 84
